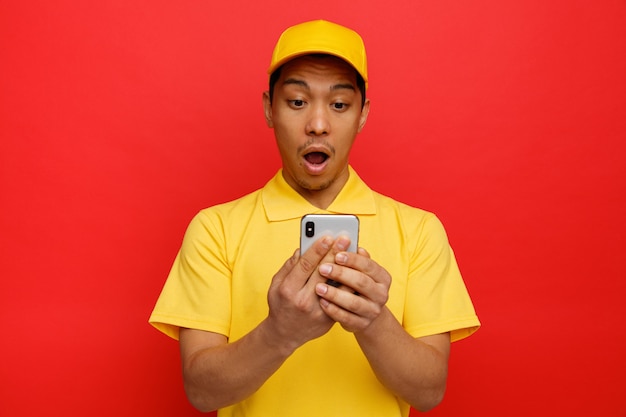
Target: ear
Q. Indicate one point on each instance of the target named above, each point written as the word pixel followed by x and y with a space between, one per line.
pixel 267 108
pixel 364 113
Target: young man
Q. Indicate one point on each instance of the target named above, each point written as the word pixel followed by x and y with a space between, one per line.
pixel 261 332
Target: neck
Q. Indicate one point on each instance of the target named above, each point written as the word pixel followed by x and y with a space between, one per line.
pixel 321 200
pixel 324 194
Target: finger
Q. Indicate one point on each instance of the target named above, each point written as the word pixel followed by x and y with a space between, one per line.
pixel 356 282
pixel 344 299
pixel 341 244
pixel 362 262
pixel 351 311
pixel 306 263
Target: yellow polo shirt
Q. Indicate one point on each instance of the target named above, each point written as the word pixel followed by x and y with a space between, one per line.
pixel 220 278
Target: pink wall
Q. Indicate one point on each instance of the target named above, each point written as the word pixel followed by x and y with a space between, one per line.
pixel 119 120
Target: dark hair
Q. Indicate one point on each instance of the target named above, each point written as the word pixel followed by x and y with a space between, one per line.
pixel 360 82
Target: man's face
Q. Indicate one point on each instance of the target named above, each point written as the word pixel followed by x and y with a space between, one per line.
pixel 316 114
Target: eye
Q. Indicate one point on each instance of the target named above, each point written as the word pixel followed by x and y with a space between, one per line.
pixel 296 103
pixel 340 106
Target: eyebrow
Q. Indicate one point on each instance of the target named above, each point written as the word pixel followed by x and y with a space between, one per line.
pixel 341 86
pixel 295 81
pixel 303 84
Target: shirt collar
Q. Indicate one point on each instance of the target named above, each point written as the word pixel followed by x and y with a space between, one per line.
pixel 281 202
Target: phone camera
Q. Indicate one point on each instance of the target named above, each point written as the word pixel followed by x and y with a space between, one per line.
pixel 309 229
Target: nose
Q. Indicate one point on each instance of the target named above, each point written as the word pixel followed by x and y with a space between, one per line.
pixel 318 123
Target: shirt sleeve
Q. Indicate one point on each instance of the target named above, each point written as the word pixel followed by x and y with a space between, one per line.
pixel 437 300
pixel 197 291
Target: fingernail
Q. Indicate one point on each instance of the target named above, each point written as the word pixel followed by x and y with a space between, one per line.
pixel 325 269
pixel 321 289
pixel 343 243
pixel 341 258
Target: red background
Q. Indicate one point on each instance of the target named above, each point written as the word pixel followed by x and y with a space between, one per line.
pixel 121 119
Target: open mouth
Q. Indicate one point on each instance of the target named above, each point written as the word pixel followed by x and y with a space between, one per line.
pixel 316 158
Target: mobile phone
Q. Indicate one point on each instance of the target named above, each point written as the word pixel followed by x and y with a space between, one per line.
pixel 314 226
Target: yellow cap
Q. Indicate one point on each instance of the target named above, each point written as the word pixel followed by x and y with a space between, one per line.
pixel 320 37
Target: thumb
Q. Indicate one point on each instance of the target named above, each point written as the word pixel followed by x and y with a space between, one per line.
pixel 286 268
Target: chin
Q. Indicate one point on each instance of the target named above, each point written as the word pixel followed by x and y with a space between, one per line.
pixel 314 185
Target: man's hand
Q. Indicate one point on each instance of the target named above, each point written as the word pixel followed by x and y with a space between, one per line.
pixel 415 369
pixel 365 289
pixel 296 315
pixel 218 373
